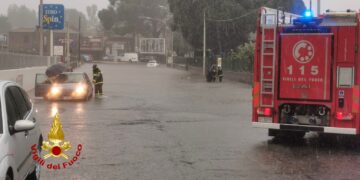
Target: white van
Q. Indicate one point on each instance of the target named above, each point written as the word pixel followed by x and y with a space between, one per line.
pixel 130 57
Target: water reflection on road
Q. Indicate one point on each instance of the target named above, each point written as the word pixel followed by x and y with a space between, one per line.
pixel 324 157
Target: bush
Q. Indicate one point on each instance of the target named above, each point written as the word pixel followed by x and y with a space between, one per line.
pixel 243 57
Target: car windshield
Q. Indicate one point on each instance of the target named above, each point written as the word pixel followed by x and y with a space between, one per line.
pixel 152 61
pixel 69 78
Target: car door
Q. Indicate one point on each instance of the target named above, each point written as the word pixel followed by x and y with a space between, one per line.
pixel 42 85
pixel 89 84
pixel 18 140
pixel 24 106
pixel 30 115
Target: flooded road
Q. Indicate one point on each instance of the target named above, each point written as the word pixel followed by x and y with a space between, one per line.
pixel 160 123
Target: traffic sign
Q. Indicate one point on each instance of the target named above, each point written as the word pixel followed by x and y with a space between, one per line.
pixel 53 16
pixel 58 50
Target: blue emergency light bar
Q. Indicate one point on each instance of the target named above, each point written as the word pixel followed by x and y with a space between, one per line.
pixel 308 13
pixel 307 24
pixel 306 21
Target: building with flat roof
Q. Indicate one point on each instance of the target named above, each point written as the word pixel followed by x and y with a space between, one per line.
pixel 26 40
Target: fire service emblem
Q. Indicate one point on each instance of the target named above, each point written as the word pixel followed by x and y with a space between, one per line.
pixel 56 146
pixel 303 52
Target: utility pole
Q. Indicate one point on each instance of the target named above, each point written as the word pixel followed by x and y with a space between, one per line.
pixel 41 31
pixel 51 42
pixel 204 46
pixel 318 7
pixel 79 43
pixel 166 34
pixel 172 48
pixel 67 45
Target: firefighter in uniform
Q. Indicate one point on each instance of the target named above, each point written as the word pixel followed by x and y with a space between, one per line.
pixel 213 73
pixel 97 80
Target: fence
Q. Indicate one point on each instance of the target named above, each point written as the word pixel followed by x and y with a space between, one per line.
pixel 234 69
pixel 229 63
pixel 17 61
pixel 240 76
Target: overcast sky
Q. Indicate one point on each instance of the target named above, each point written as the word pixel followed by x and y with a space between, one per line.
pixel 33 4
pixel 81 4
pixel 337 5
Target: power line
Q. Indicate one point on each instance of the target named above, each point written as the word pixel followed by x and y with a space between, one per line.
pixel 239 17
pixel 232 19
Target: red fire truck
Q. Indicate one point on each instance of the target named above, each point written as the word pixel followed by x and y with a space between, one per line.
pixel 306 73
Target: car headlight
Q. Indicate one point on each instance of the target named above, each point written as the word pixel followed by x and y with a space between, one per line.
pixel 55 90
pixel 80 90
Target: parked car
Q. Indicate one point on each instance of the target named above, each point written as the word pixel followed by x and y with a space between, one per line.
pixel 19 131
pixel 152 63
pixel 87 57
pixel 65 86
pixel 108 58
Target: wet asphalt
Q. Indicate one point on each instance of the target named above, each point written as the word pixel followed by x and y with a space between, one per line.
pixel 166 124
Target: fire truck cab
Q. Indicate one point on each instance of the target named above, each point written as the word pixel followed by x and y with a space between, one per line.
pixel 306 73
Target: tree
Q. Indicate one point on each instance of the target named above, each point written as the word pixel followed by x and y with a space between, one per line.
pixel 135 16
pixel 5 26
pixel 91 13
pixel 72 17
pixel 107 18
pixel 244 55
pixel 21 16
pixel 228 21
pixel 294 6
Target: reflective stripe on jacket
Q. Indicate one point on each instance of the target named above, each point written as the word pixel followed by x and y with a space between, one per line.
pixel 97 77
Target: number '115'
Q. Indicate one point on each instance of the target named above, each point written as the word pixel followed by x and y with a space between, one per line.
pixel 314 70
